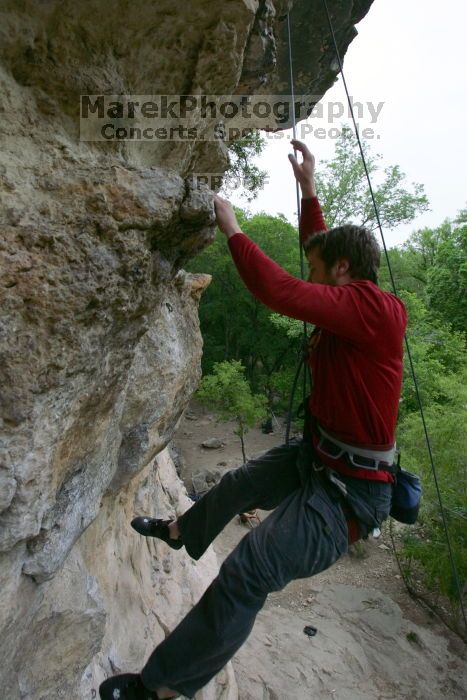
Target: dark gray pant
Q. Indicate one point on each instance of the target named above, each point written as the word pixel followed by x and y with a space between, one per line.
pixel 304 535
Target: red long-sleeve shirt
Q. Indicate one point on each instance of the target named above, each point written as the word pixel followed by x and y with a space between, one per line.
pixel 356 361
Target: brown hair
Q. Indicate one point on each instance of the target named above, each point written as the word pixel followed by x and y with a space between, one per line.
pixel 355 243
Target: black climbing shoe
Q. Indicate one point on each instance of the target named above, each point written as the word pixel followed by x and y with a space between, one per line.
pixel 128 686
pixel 154 527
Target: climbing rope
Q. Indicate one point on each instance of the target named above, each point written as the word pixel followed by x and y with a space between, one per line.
pixel 294 131
pixel 303 349
pixel 393 283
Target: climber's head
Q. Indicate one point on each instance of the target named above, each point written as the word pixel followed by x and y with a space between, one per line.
pixel 343 254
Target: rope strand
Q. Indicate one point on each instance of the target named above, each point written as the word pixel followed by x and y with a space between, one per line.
pixel 302 262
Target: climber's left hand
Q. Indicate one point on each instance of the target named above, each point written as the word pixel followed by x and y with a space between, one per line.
pixel 225 217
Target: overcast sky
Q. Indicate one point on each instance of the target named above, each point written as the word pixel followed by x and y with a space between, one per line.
pixel 411 56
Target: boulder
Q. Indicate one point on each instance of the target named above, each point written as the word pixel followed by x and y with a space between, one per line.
pixel 212 444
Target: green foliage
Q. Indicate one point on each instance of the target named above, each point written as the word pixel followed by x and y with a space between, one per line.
pixel 237 326
pixel 431 275
pixel 343 188
pixel 406 270
pixel 242 167
pixel 427 542
pixel 440 358
pixel 227 391
pixel 290 326
pixel 438 353
pixel 433 263
pixel 447 280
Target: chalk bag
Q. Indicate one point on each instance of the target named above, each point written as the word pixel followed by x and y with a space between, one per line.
pixel 406 497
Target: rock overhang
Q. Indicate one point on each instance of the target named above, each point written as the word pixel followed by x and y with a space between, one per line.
pixel 99 336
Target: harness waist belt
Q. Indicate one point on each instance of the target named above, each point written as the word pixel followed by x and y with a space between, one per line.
pixel 383 457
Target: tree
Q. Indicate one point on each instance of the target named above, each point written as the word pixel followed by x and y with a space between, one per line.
pixel 407 269
pixel 440 359
pixel 427 542
pixel 437 352
pixel 431 276
pixel 242 169
pixel 343 189
pixel 228 392
pixel 447 279
pixel 234 324
pixel 433 263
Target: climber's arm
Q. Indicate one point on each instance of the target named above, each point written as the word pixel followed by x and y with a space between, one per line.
pixel 311 217
pixel 331 307
pixel 336 308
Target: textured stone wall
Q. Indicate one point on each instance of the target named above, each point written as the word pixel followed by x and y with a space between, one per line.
pixel 99 338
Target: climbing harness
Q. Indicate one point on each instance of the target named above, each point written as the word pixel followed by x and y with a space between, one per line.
pixel 405 485
pixel 374 460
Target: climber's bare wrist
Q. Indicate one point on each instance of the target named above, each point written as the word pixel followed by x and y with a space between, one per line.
pixel 225 217
pixel 308 189
pixel 231 232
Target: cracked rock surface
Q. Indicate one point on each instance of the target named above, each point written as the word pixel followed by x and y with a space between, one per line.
pixel 99 336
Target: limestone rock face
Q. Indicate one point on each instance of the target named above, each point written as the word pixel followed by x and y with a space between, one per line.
pixel 114 599
pixel 99 337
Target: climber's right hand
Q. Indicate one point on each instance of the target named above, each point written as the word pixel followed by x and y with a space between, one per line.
pixel 305 171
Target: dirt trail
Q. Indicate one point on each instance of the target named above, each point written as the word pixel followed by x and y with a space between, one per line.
pixel 373 642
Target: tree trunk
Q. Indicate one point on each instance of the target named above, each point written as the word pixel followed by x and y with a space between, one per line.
pixel 240 435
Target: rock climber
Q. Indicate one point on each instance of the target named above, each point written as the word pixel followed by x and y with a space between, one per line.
pixel 325 491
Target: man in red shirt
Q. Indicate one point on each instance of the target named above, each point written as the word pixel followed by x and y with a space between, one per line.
pixel 356 357
pixel 326 490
